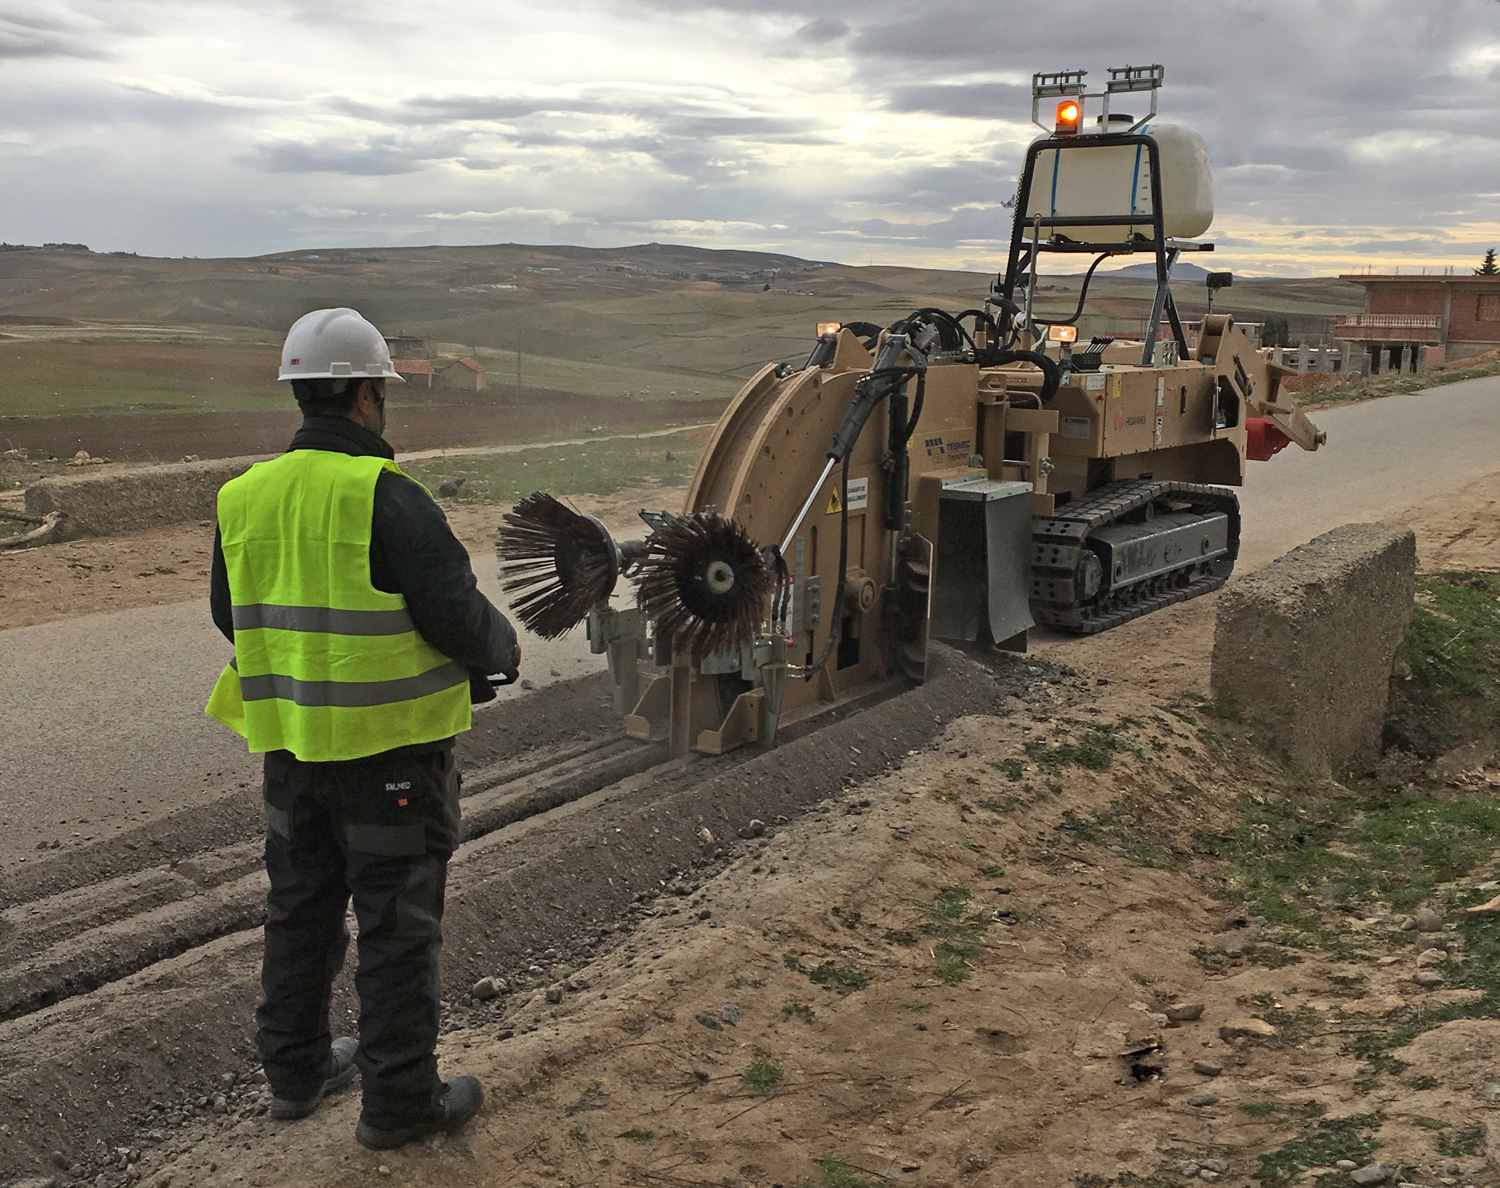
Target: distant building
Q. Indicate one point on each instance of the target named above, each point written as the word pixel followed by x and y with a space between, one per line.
pixel 417 372
pixel 410 346
pixel 1422 321
pixel 462 375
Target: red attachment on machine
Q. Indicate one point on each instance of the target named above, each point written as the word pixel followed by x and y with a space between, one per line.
pixel 1263 440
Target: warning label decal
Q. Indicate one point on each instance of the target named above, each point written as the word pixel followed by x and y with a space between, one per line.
pixel 859 496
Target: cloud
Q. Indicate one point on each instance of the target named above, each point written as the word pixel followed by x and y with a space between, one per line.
pixel 885 131
pixel 47 31
pixel 822 30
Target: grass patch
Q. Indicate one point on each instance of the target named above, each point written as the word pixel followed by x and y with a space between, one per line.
pixel 956 931
pixel 1013 768
pixel 1093 751
pixel 1287 861
pixel 1258 1109
pixel 596 468
pixel 1462 1142
pixel 838 1174
pixel 1321 1146
pixel 953 960
pixel 836 977
pixel 763 1076
pixel 797 1010
pixel 1452 651
pixel 636 1135
pixel 1223 709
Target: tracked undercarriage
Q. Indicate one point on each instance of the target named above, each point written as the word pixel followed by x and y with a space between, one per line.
pixel 1130 548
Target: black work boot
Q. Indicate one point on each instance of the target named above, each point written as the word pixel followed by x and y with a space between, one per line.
pixel 343 1071
pixel 462 1097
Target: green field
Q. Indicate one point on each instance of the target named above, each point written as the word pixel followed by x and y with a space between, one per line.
pixel 598 468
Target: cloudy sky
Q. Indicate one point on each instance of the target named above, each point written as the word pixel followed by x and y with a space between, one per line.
pixel 1343 133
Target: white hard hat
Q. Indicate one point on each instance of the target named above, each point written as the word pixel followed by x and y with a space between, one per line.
pixel 335 344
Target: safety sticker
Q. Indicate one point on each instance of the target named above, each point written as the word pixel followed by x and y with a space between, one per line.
pixel 1076 428
pixel 1093 383
pixel 859 496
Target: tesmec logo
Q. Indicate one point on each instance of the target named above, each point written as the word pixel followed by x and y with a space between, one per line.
pixel 934 447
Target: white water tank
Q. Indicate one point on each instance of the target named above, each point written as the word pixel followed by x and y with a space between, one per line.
pixel 1116 179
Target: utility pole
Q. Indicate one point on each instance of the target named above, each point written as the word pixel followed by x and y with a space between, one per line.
pixel 518 360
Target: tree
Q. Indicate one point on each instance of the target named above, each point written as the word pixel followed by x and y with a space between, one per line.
pixel 1489 267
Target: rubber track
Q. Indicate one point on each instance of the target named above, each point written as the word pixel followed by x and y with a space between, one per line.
pixel 1066 531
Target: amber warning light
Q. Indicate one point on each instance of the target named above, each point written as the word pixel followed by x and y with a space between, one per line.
pixel 828 328
pixel 1069 112
pixel 1062 333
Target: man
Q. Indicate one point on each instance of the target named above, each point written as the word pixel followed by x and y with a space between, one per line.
pixel 360 639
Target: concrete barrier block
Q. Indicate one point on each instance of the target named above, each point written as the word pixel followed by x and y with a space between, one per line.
pixel 1304 647
pixel 139 497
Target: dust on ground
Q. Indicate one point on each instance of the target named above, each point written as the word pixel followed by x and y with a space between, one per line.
pixel 1009 962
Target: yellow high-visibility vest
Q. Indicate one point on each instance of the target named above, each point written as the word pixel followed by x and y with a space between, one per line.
pixel 325 665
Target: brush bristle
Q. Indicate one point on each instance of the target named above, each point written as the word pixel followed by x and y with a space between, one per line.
pixel 558 563
pixel 704 584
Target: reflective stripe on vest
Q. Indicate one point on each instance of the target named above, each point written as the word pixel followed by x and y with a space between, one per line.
pixel 326 666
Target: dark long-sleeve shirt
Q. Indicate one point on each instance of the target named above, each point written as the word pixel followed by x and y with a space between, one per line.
pixel 414 553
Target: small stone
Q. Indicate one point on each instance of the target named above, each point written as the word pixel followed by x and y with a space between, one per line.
pixel 554 994
pixel 1427 941
pixel 1232 943
pixel 385 1171
pixel 1424 920
pixel 706 837
pixel 1346 1165
pixel 1209 1175
pixel 704 914
pixel 485 989
pixel 507 1033
pixel 227 1080
pixel 701 1074
pixel 754 829
pixel 1214 1165
pixel 1184 1012
pixel 1491 1092
pixel 709 1021
pixel 1203 1099
pixel 1246 1029
pixel 1431 957
pixel 525 684
pixel 1406 924
pixel 1427 977
pixel 1189 1169
pixel 1371 1173
pixel 1208 1068
pixel 1453 1169
pixel 221 1104
pixel 731 1014
pixel 582 984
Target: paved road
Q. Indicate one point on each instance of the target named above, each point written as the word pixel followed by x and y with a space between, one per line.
pixel 101 721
